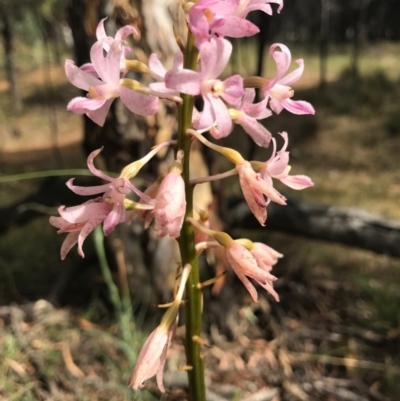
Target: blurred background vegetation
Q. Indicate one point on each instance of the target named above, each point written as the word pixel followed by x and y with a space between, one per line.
pixel 71 331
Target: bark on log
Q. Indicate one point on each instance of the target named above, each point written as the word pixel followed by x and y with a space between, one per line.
pixel 348 226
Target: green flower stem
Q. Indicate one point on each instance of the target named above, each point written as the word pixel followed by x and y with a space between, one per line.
pixel 49 173
pixel 193 305
pixel 123 308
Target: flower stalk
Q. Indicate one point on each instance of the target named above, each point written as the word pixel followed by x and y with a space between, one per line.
pixel 193 304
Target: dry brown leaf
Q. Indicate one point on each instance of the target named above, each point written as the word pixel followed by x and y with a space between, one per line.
pixel 69 362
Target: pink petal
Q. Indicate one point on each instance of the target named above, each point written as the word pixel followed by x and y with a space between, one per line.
pixel 80 78
pixel 148 361
pixel 99 116
pixel 86 230
pixel 285 137
pixel 116 216
pixel 107 67
pixel 261 7
pixel 278 165
pixel 236 268
pixel 81 105
pixel 233 89
pixel 279 2
pixel 161 88
pixel 295 75
pixel 257 110
pixel 254 200
pixel 125 31
pixel 282 59
pixel 163 358
pixel 222 50
pixel 94 170
pixel 100 31
pixel 98 60
pixel 260 135
pixel 70 240
pixel 89 68
pixel 87 191
pixel 267 250
pixel 267 286
pixel 249 95
pixel 255 181
pixel 113 61
pixel 237 27
pixel 298 181
pixel 85 212
pixel 198 23
pixel 223 119
pixel 297 106
pixel 207 117
pixel 185 81
pixel 221 8
pixel 59 222
pixel 276 105
pixel 156 66
pixel 178 61
pixel 144 105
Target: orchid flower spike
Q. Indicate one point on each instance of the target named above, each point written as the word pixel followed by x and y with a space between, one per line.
pixel 170 201
pixel 243 262
pixel 153 355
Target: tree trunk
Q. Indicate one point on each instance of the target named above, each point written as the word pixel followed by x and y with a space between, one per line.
pixel 7 34
pixel 323 44
pixel 359 19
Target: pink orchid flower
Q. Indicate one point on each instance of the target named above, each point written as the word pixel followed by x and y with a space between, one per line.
pixel 242 260
pixel 254 187
pixel 153 355
pixel 170 202
pixel 278 89
pixel 79 222
pixel 106 87
pixel 225 18
pixel 245 265
pixel 278 167
pixel 108 209
pixel 247 115
pixel 214 56
pixel 152 358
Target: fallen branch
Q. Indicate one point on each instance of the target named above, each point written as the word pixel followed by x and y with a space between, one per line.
pixel 348 226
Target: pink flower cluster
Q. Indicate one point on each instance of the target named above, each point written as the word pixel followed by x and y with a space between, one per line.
pixel 167 204
pixel 226 101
